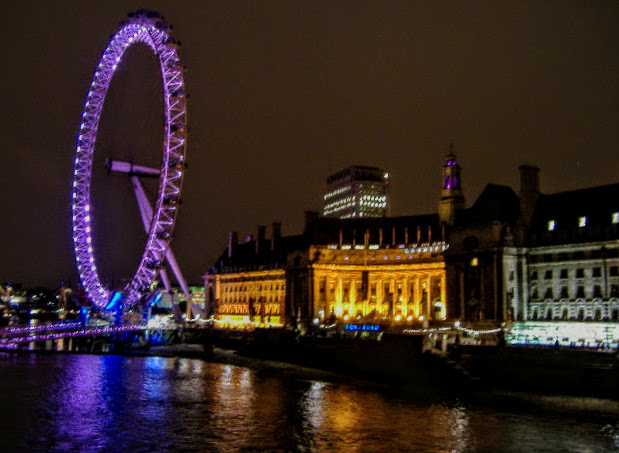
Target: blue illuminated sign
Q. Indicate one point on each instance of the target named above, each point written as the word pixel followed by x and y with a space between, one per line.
pixel 362 327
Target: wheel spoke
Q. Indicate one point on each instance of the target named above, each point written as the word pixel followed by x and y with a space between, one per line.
pixel 148 28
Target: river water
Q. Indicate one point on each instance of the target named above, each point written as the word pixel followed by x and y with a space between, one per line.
pixel 92 403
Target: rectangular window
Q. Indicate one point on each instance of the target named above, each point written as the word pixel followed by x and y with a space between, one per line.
pixel 597 271
pixel 551 225
pixel 548 294
pixel 580 273
pixel 615 217
pixel 564 294
pixel 614 271
pixel 548 275
pixel 534 275
pixel 580 292
pixel 563 273
pixel 511 276
pixel 597 291
pixel 582 221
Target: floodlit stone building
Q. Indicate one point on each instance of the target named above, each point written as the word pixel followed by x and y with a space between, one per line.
pixel 571 257
pixel 508 257
pixel 389 270
pixel 248 281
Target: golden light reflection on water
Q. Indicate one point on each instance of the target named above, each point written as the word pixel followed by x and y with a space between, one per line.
pixel 94 403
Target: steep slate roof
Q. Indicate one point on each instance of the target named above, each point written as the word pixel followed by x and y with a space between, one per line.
pixel 244 256
pixel 597 204
pixel 496 202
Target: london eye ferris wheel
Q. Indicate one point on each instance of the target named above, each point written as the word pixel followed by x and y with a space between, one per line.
pixel 159 217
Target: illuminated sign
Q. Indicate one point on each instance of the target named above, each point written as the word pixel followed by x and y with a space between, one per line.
pixel 362 327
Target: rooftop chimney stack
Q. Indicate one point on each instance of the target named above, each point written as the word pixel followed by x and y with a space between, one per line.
pixel 277 235
pixel 260 237
pixel 310 217
pixel 233 240
pixel 529 191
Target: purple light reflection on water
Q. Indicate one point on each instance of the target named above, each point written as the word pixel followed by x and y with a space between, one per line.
pixel 86 403
pixel 104 404
pixel 13 342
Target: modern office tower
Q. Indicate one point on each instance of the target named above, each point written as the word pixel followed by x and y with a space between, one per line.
pixel 357 191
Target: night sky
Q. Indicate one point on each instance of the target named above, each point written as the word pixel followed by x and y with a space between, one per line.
pixel 283 93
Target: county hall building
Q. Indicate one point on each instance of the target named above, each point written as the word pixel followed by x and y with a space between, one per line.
pixel 508 257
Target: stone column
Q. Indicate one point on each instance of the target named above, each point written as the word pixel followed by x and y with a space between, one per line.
pixel 523 303
pixel 396 301
pixel 339 297
pixel 444 293
pixel 405 295
pixel 352 297
pixel 418 294
pixel 317 304
pixel 380 297
pixel 429 300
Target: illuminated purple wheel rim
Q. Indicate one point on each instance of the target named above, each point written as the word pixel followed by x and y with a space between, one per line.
pixel 148 28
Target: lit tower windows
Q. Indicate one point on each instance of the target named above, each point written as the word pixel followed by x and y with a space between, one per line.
pixel 357 191
pixel 452 197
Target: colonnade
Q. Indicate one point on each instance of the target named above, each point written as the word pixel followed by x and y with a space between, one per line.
pixel 416 294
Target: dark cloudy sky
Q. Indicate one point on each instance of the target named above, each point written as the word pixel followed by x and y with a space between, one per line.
pixel 283 93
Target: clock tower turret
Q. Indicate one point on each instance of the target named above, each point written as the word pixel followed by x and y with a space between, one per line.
pixel 452 197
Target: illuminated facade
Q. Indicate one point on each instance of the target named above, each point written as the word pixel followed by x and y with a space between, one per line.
pixel 509 257
pixel 391 270
pixel 388 270
pixel 248 282
pixel 534 257
pixel 570 261
pixel 256 296
pixel 357 191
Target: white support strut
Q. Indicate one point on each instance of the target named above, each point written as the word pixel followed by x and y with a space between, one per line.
pixel 146 211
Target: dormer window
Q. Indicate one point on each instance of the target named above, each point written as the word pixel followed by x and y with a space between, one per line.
pixel 582 222
pixel 551 225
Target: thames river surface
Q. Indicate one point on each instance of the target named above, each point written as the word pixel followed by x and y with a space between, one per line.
pixel 91 403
